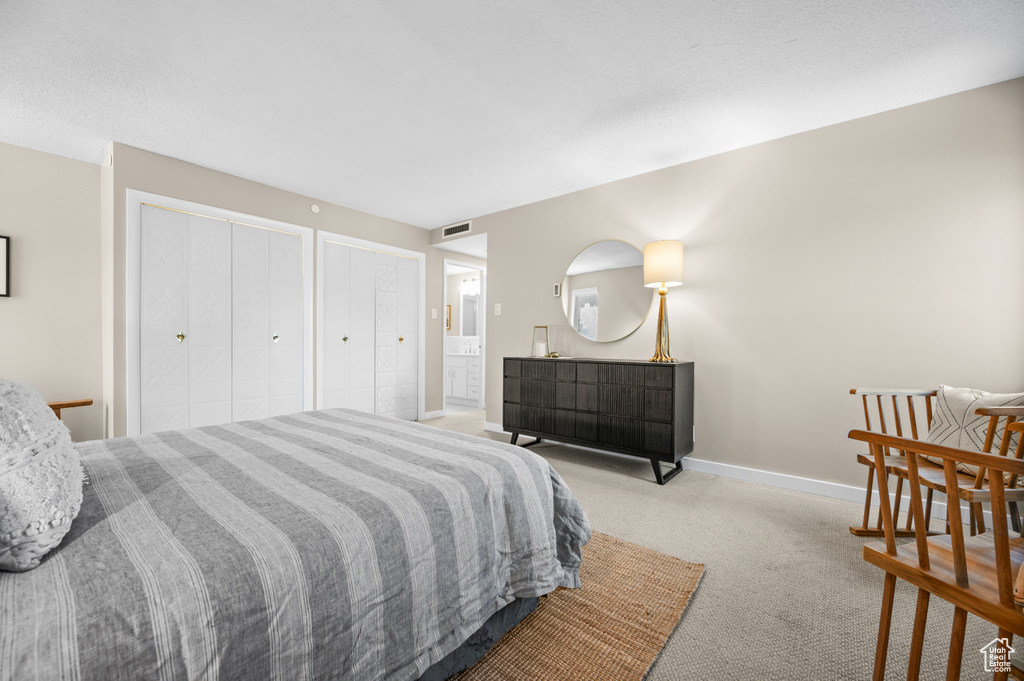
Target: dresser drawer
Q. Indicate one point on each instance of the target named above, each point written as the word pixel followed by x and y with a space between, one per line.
pixel 621 401
pixel 658 405
pixel 620 432
pixel 658 438
pixel 513 390
pixel 473 378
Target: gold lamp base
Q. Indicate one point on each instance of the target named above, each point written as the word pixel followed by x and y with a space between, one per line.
pixel 661 345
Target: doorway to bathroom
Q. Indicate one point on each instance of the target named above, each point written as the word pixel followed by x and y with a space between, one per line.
pixel 465 290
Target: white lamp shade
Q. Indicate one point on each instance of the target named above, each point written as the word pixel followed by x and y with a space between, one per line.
pixel 663 264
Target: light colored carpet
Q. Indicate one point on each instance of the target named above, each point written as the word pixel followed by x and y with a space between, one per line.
pixel 785 596
pixel 611 629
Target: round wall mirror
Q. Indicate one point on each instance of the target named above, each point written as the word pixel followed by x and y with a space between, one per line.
pixel 603 294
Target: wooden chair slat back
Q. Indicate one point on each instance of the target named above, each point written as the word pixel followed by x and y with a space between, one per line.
pixel 888 412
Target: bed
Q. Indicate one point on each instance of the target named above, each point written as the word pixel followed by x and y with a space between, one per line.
pixel 324 545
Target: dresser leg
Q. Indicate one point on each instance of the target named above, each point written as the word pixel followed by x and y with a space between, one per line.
pixel 515 436
pixel 665 477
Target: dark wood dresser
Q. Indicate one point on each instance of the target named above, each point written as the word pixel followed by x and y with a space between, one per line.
pixel 628 406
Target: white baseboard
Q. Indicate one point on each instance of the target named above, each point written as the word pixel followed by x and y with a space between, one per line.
pixel 833 490
pixel 432 415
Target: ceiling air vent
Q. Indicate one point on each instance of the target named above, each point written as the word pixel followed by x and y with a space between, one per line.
pixel 455 230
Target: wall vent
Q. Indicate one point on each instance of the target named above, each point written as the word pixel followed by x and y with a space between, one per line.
pixel 455 230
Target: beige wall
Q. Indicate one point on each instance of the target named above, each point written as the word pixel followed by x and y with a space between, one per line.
pixel 145 171
pixel 882 252
pixel 622 300
pixel 50 326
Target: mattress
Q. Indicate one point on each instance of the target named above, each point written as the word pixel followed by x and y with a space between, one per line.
pixel 323 545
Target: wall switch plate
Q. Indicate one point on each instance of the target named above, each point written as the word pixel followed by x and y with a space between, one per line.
pixel 433 313
pixel 497 309
pixel 557 290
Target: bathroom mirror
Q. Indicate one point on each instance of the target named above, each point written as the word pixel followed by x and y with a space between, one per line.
pixel 603 294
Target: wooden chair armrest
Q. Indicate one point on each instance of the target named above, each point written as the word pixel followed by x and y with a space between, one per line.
pixel 1000 411
pixel 998 463
pixel 57 406
pixel 68 404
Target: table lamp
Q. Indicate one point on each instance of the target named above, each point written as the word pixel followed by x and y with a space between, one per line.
pixel 663 267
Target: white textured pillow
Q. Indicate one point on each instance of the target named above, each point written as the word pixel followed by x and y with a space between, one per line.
pixel 954 423
pixel 40 478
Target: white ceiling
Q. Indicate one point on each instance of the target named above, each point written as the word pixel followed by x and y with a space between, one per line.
pixel 433 112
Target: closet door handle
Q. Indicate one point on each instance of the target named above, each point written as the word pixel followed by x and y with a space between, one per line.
pixel 400 339
pixel 180 337
pixel 275 338
pixel 345 339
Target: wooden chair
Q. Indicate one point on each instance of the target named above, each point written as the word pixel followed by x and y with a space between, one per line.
pixel 931 475
pixel 975 574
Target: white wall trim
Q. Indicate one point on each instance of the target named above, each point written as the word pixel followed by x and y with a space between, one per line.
pixel 433 415
pixel 133 277
pixel 421 259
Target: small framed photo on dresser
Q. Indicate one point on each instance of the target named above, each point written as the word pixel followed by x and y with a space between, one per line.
pixel 5 266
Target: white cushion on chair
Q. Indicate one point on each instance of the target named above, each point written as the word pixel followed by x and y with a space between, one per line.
pixel 954 423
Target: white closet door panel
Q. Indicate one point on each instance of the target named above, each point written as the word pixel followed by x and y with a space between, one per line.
pixel 386 354
pixel 209 321
pixel 362 344
pixel 163 314
pixel 407 327
pixel 335 306
pixel 250 367
pixel 285 341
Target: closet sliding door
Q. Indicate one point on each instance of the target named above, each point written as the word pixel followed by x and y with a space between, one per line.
pixel 219 318
pixel 370 324
pixel 347 327
pixel 185 313
pixel 266 316
pixel 397 313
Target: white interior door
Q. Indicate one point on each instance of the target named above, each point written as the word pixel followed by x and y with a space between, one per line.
pixel 209 313
pixel 163 316
pixel 335 299
pixel 387 333
pixel 239 296
pixel 285 338
pixel 373 297
pixel 250 322
pixel 362 322
pixel 406 369
pixel 348 327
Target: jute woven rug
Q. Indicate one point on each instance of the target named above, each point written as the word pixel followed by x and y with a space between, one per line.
pixel 613 628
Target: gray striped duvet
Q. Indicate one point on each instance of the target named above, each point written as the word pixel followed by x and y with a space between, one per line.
pixel 323 545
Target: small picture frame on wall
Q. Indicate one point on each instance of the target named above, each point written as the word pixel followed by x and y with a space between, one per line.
pixel 5 266
pixel 448 317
